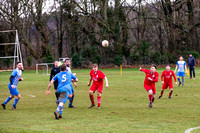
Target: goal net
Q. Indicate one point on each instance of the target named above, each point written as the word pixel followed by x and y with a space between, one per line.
pixel 10 51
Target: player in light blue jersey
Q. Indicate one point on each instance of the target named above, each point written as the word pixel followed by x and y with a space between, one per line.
pixel 67 63
pixel 64 80
pixel 14 79
pixel 182 69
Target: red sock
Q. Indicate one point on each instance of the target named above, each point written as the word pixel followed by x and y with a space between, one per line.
pixel 150 98
pixel 99 101
pixel 170 93
pixel 153 99
pixel 161 92
pixel 92 99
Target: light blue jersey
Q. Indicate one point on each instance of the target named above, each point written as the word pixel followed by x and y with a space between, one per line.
pixel 64 81
pixel 16 76
pixel 69 69
pixel 181 66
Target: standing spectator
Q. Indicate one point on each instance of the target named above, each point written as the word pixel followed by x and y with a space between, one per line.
pixel 191 65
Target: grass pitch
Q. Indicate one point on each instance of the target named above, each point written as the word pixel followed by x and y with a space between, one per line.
pixel 124 106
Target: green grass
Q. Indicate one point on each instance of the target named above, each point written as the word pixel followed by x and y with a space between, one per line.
pixel 124 106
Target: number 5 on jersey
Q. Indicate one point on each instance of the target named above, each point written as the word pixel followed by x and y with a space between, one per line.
pixel 64 78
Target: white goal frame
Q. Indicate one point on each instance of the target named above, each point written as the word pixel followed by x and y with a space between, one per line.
pixel 17 52
pixel 43 64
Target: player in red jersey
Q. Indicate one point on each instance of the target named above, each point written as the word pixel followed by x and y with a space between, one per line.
pixel 167 74
pixel 97 76
pixel 149 82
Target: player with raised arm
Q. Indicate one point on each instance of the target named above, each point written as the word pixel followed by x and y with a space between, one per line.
pixel 167 82
pixel 149 82
pixel 67 63
pixel 54 71
pixel 97 76
pixel 14 79
pixel 182 69
pixel 64 79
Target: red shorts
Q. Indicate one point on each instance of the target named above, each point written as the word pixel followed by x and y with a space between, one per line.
pixel 99 88
pixel 153 88
pixel 166 85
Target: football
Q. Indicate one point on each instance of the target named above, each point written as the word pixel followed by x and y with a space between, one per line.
pixel 105 43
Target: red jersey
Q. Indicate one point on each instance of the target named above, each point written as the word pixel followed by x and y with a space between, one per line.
pixel 154 77
pixel 97 77
pixel 168 76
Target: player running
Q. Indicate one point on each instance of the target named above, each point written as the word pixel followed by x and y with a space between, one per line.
pixel 54 71
pixel 64 79
pixel 67 63
pixel 167 74
pixel 97 76
pixel 14 79
pixel 181 65
pixel 149 82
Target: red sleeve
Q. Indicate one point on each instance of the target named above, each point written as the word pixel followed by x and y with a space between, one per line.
pixel 156 78
pixel 162 75
pixel 144 70
pixel 174 76
pixel 91 73
pixel 101 75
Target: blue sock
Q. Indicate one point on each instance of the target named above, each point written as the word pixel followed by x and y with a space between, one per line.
pixel 182 81
pixel 15 102
pixel 61 110
pixel 7 100
pixel 179 80
pixel 58 109
pixel 71 100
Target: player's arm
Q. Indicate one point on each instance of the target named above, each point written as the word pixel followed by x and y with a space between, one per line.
pixel 90 81
pixel 174 77
pixel 162 75
pixel 155 79
pixel 49 86
pixel 176 68
pixel 106 80
pixel 21 79
pixel 194 63
pixel 51 75
pixel 185 69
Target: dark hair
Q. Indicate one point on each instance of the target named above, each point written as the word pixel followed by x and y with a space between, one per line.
pixel 94 65
pixel 67 59
pixel 63 67
pixel 153 65
pixel 18 62
pixel 168 65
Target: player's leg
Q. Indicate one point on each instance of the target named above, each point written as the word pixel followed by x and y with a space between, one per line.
pixel 91 92
pixel 150 98
pixel 99 92
pixel 72 98
pixel 171 90
pixel 183 80
pixel 190 72
pixel 6 101
pixel 99 99
pixel 193 72
pixel 178 77
pixel 16 101
pixel 164 86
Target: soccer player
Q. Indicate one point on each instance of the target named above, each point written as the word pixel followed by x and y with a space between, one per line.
pixel 167 74
pixel 149 82
pixel 97 76
pixel 54 71
pixel 67 63
pixel 181 65
pixel 14 79
pixel 64 79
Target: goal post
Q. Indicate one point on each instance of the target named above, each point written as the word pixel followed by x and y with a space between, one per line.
pixel 17 56
pixel 44 68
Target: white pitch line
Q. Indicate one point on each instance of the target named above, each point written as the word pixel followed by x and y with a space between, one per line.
pixel 32 95
pixel 189 130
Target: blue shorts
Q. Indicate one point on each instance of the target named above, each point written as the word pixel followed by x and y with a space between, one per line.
pixel 63 97
pixel 180 74
pixel 13 92
pixel 72 89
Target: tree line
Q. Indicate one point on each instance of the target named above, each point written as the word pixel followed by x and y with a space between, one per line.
pixel 140 32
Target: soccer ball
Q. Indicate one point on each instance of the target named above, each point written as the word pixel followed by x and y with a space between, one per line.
pixel 105 43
